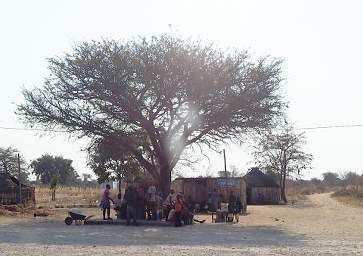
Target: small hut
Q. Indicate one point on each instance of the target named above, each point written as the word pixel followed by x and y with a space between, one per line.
pixel 200 188
pixel 261 188
pixel 10 191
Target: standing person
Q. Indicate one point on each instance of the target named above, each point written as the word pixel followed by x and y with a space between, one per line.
pixel 159 206
pixel 232 207
pixel 105 202
pixel 131 200
pixel 141 202
pixel 169 203
pixel 151 203
pixel 214 200
pixel 239 208
pixel 178 210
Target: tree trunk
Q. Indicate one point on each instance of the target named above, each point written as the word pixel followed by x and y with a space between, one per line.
pixel 283 188
pixel 165 180
pixel 119 184
pixel 53 194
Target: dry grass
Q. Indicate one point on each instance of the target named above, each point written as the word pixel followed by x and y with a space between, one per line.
pixel 350 196
pixel 352 201
pixel 297 191
pixel 67 197
pixel 15 210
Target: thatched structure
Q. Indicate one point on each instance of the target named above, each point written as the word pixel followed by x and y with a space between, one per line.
pixel 10 191
pixel 261 188
pixel 200 188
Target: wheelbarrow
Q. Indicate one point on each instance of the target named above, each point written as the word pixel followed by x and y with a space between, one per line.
pixel 76 215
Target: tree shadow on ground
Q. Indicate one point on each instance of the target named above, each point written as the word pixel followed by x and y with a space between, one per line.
pixel 222 235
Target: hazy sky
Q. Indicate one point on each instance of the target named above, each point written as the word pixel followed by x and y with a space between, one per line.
pixel 321 42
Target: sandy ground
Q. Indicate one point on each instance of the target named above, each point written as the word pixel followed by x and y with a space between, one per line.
pixel 319 226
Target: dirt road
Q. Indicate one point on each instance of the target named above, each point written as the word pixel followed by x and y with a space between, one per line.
pixel 319 226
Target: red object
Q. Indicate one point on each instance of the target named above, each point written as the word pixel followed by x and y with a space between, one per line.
pixel 178 206
pixel 106 194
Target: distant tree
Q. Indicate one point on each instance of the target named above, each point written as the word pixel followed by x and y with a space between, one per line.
pixel 47 167
pixel 280 152
pixel 9 163
pixel 53 186
pixel 331 179
pixel 109 164
pixel 352 179
pixel 316 181
pixel 155 97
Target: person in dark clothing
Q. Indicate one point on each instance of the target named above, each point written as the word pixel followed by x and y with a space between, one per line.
pixel 214 201
pixel 189 203
pixel 187 212
pixel 239 209
pixel 131 200
pixel 141 203
pixel 233 206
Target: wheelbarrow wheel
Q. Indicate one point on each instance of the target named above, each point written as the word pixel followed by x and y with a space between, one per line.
pixel 68 220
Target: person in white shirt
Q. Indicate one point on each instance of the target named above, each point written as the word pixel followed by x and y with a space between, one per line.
pixel 169 202
pixel 151 203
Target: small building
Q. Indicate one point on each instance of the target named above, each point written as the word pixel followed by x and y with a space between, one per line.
pixel 200 188
pixel 261 188
pixel 10 191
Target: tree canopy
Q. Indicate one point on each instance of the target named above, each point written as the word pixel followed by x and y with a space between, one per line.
pixel 9 163
pixel 109 164
pixel 331 179
pixel 50 168
pixel 153 97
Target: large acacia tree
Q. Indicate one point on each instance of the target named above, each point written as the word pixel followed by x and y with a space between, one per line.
pixel 153 97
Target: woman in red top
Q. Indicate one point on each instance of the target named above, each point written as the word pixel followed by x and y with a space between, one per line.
pixel 178 210
pixel 105 202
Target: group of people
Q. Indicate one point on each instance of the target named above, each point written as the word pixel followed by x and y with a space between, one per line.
pixel 137 203
pixel 235 205
pixel 141 203
pixel 179 209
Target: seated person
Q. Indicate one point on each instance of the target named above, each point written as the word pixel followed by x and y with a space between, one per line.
pixel 189 203
pixel 171 215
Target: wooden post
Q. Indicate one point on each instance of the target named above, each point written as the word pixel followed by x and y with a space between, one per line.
pixel 20 197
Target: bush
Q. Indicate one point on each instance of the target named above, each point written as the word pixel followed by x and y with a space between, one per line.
pixel 348 193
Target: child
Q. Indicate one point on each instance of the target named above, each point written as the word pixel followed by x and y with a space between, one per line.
pixel 105 202
pixel 118 205
pixel 178 210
